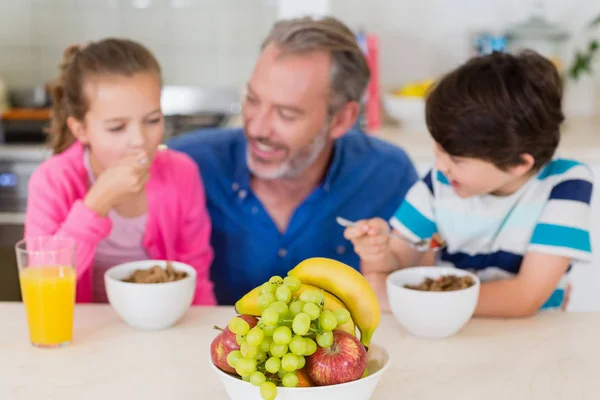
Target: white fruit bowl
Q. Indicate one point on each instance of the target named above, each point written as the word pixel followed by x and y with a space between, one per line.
pixel 378 361
pixel 431 315
pixel 409 112
pixel 149 306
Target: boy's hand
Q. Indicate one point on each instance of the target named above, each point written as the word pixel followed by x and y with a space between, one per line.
pixel 370 239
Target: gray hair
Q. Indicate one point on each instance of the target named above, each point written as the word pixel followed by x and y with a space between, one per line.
pixel 349 69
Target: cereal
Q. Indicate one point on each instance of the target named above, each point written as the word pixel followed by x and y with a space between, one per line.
pixel 443 284
pixel 156 274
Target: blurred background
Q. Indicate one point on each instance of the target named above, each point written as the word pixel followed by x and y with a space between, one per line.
pixel 207 49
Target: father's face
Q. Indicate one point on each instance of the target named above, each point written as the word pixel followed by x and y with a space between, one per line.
pixel 285 112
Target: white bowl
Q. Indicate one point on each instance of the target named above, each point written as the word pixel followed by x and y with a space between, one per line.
pixel 149 306
pixel 409 112
pixel 431 315
pixel 378 361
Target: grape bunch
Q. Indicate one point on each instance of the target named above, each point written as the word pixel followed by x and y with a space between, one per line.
pixel 290 328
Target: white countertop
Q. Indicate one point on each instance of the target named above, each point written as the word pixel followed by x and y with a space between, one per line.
pixel 552 356
pixel 580 139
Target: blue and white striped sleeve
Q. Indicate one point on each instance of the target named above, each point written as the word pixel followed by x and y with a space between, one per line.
pixel 415 217
pixel 563 228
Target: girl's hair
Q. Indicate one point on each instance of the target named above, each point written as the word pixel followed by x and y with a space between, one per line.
pixel 116 57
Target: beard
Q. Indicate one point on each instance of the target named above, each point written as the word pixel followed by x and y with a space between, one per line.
pixel 294 164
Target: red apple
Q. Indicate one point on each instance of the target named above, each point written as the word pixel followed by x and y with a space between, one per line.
pixel 344 361
pixel 225 343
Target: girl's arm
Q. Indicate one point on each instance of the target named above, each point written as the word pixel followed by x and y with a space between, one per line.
pixel 50 214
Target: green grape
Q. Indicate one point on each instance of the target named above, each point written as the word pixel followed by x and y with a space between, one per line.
pixel 265 345
pixel 238 326
pixel 240 339
pixel 325 339
pixel 312 310
pixel 301 362
pixel 273 364
pixel 267 287
pixel 292 282
pixel 265 300
pixel 311 347
pixel 245 366
pixel 289 362
pixel 282 372
pixel 283 293
pixel 326 319
pixel 269 330
pixel 298 345
pixel 257 378
pixel 290 380
pixel 278 350
pixel 282 335
pixel 255 336
pixel 233 357
pixel 248 351
pixel 246 378
pixel 301 324
pixel 311 296
pixel 280 307
pixel 342 315
pixel 296 307
pixel 276 280
pixel 261 356
pixel 270 317
pixel 268 390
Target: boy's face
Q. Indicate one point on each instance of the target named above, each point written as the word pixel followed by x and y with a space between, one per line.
pixel 475 177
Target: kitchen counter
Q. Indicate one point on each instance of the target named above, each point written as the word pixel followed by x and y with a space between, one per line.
pixel 580 139
pixel 552 356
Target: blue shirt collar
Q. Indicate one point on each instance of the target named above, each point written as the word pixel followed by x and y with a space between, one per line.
pixel 242 173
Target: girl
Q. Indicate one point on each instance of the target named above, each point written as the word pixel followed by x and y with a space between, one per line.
pixel 110 185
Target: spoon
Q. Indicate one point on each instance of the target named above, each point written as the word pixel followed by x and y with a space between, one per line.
pixel 422 245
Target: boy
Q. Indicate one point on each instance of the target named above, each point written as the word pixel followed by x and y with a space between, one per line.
pixel 507 209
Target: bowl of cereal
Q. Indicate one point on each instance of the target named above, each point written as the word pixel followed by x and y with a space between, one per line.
pixel 433 302
pixel 150 294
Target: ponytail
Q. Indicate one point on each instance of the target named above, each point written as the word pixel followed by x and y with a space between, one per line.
pixel 61 135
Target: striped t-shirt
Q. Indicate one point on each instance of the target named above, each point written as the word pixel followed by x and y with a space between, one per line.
pixel 490 235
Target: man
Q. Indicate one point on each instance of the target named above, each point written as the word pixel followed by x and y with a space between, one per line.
pixel 275 187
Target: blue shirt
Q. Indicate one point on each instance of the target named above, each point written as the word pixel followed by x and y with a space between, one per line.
pixel 366 178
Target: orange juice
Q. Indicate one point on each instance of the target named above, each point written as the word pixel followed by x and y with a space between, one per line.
pixel 49 297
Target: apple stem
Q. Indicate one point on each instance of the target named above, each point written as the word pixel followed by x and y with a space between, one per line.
pixel 218 328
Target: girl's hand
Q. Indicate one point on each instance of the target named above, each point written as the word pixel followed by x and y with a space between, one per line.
pixel 127 178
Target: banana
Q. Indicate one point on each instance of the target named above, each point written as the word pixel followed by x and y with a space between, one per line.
pixel 347 284
pixel 249 305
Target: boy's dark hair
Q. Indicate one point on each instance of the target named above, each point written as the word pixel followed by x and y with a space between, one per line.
pixel 497 107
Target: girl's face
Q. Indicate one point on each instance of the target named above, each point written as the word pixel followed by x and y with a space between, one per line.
pixel 124 117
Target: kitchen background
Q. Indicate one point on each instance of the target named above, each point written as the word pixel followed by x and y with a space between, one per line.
pixel 207 49
pixel 216 41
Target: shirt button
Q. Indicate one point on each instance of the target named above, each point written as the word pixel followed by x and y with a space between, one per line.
pixel 235 186
pixel 282 252
pixel 326 187
pixel 340 250
pixel 242 194
pixel 254 210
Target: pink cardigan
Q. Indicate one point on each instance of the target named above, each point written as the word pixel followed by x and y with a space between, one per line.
pixel 178 226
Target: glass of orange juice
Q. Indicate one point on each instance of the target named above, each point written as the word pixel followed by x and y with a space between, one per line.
pixel 47 277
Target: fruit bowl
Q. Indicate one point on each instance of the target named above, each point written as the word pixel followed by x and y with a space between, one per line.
pixel 308 334
pixel 378 361
pixel 149 306
pixel 426 314
pixel 408 111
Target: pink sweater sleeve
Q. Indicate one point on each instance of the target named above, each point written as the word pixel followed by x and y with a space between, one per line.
pixel 193 246
pixel 49 213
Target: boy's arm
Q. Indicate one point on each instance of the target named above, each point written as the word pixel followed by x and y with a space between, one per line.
pixel 523 295
pixel 560 237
